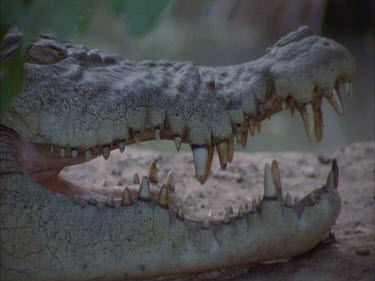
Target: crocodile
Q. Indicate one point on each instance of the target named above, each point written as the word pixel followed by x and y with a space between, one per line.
pixel 77 104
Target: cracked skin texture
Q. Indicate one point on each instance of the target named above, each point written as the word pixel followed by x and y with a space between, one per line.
pixel 77 100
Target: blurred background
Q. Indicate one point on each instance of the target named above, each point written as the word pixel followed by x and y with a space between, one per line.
pixel 223 32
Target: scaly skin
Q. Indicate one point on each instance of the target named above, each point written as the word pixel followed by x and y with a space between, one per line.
pixel 78 104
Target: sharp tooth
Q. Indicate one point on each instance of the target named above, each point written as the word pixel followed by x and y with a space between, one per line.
pixel 269 186
pixel 170 180
pixel 307 115
pixel 290 105
pixel 136 178
pixel 329 183
pixel 157 133
pixel 177 142
pixel 252 126
pixel 180 212
pixel 335 101
pixel 144 192
pixel 74 153
pixel 51 147
pixel 246 206
pixel 222 152
pixel 110 202
pixel 120 182
pixel 88 155
pixel 259 126
pixel 126 197
pixel 106 151
pixel 312 198
pixel 230 210
pixel 288 200
pixel 276 177
pixel 105 183
pixel 163 196
pixel 93 200
pixel 121 146
pixel 238 133
pixel 348 88
pixel 226 217
pixel 318 121
pixel 200 155
pixel 153 172
pixel 210 157
pixel 206 224
pixel 245 133
pixel 254 206
pixel 230 150
pixel 62 152
pixel 240 212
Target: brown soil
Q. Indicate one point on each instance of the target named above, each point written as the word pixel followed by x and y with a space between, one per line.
pixel 350 255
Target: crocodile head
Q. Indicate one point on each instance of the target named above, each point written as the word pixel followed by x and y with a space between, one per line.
pixel 79 104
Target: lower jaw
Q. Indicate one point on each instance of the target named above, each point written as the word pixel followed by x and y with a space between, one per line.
pixel 144 238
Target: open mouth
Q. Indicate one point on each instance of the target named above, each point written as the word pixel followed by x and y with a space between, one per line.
pixel 45 162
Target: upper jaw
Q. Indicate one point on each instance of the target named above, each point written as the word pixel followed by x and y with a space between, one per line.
pixel 90 105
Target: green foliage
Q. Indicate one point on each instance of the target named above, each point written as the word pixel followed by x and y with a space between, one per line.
pixel 64 18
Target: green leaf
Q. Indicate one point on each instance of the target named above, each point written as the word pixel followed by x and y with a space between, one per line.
pixel 12 80
pixel 140 16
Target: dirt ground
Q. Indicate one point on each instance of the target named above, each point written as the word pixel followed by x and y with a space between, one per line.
pixel 350 256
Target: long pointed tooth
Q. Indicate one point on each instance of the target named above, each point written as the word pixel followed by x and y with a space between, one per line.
pixel 254 206
pixel 288 200
pixel 106 151
pixel 307 115
pixel 226 217
pixel 318 124
pixel 259 127
pixel 200 155
pixel 126 197
pixel 335 100
pixel 110 202
pixel 88 155
pixel 93 200
pixel 329 183
pixel 276 177
pixel 120 182
pixel 180 212
pixel 210 157
pixel 230 209
pixel 245 133
pixel 62 151
pixel 177 142
pixel 247 206
pixel 222 152
pixel 206 224
pixel 153 172
pixel 144 192
pixel 74 153
pixel 121 146
pixel 252 126
pixel 269 186
pixel 348 88
pixel 163 196
pixel 238 133
pixel 241 212
pixel 105 183
pixel 157 133
pixel 170 180
pixel 135 178
pixel 230 150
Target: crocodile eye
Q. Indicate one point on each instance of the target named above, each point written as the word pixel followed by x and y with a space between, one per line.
pixel 45 52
